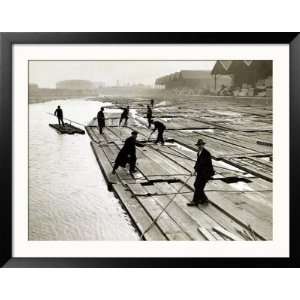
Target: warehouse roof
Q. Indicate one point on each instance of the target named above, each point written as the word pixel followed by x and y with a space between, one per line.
pixel 184 74
pixel 230 66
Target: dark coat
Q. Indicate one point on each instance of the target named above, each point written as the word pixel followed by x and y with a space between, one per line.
pixel 58 112
pixel 149 113
pixel 128 152
pixel 101 119
pixel 204 167
pixel 125 113
pixel 159 126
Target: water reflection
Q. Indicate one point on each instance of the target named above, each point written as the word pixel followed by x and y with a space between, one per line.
pixel 68 196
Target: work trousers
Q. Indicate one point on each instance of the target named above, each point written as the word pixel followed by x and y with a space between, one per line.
pixel 60 121
pixel 101 126
pixel 149 121
pixel 131 162
pixel 160 137
pixel 199 195
pixel 123 118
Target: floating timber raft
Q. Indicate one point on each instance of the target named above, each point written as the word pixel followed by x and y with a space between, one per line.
pixel 239 137
pixel 67 129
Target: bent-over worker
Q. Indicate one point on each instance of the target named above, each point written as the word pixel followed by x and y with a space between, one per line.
pixel 124 116
pixel 205 171
pixel 160 127
pixel 128 154
pixel 101 120
pixel 60 115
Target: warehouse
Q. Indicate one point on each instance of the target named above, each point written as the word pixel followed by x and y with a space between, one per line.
pixel 249 77
pixel 191 82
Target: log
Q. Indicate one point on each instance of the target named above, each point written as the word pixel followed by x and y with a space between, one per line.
pixel 138 214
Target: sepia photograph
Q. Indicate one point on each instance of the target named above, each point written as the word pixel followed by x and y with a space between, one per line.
pixel 150 150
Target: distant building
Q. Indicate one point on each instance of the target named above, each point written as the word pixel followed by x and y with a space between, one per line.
pixel 67 90
pixel 99 84
pixel 193 81
pixel 76 85
pixel 243 72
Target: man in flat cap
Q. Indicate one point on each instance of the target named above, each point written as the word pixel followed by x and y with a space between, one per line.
pixel 128 154
pixel 205 171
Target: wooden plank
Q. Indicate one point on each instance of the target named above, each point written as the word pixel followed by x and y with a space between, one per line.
pixel 182 219
pixel 207 235
pixel 250 168
pixel 198 217
pixel 137 189
pixel 138 214
pixel 67 129
pixel 262 227
pixel 110 151
pixel 183 123
pixel 174 156
pixel 164 222
pixel 238 203
pixel 235 139
pixel 218 149
pixel 91 134
pixel 176 186
pixel 122 132
pixel 208 215
pixel 98 137
pixel 110 136
pixel 168 167
pixel 226 233
pixel 148 166
pixel 104 164
pixel 150 189
pixel 216 235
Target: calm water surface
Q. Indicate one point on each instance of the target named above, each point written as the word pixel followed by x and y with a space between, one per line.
pixel 68 196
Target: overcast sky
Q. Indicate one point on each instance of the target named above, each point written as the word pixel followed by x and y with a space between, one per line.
pixel 47 73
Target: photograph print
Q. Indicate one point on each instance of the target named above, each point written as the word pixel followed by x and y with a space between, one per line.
pixel 150 150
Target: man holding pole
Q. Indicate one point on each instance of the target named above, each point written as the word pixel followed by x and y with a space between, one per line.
pixel 160 127
pixel 205 171
pixel 60 116
pixel 124 116
pixel 128 154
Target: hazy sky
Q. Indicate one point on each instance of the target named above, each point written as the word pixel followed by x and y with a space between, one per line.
pixel 47 73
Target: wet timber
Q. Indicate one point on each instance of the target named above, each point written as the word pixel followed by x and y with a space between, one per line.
pixel 237 133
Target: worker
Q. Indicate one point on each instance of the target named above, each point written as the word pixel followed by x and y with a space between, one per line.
pixel 160 127
pixel 149 115
pixel 60 116
pixel 152 102
pixel 101 119
pixel 124 116
pixel 128 154
pixel 204 171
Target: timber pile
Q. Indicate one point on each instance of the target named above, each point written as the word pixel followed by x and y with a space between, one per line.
pixel 239 138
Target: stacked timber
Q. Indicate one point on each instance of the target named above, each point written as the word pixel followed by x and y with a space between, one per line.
pixel 240 194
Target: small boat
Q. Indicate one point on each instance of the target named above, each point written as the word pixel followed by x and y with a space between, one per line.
pixel 68 129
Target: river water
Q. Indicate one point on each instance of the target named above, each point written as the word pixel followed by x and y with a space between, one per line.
pixel 68 196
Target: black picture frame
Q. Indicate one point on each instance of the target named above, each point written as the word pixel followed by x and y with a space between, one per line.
pixel 8 40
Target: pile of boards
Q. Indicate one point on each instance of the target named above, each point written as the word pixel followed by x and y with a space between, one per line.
pixel 239 136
